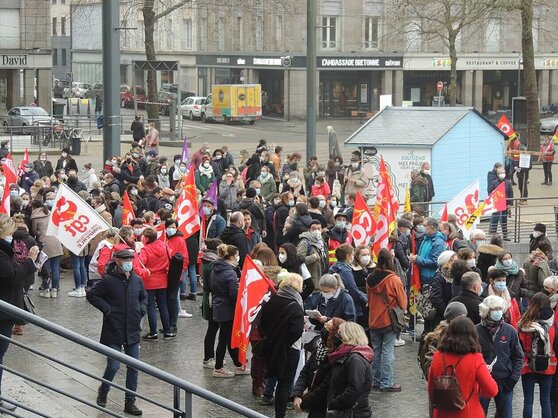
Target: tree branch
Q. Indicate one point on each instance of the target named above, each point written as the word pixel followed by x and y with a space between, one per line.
pixel 171 9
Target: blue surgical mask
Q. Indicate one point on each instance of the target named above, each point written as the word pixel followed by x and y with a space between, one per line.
pixel 127 266
pixel 207 211
pixel 333 203
pixel 257 192
pixel 50 203
pixel 8 239
pixel 496 315
pixel 322 204
pixel 171 231
pixel 340 225
pixel 481 290
pixel 14 193
pixel 421 229
pixel 500 286
pixel 291 203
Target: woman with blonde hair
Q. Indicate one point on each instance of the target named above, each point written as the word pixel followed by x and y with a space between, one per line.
pixel 333 300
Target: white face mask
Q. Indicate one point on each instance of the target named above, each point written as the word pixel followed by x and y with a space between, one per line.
pixel 472 262
pixel 327 296
pixel 502 176
pixel 282 257
pixel 317 234
pixel 354 165
pixel 507 263
pixel 365 260
pixel 426 171
pixel 537 234
pixel 237 259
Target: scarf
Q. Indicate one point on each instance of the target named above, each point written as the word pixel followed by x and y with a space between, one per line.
pixel 209 255
pixel 492 326
pixel 553 300
pixel 208 172
pixel 505 295
pixel 265 179
pixel 321 352
pixel 537 327
pixel 510 271
pixel 289 293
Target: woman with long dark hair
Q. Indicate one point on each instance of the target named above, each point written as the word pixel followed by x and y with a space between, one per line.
pixel 289 261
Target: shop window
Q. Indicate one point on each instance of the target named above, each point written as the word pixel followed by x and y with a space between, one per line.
pixel 329 32
pixel 220 38
pixel 279 32
pixel 54 26
pixel 492 36
pixel 54 57
pixel 371 27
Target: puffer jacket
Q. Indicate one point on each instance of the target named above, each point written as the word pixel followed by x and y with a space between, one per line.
pixel 312 251
pixel 224 287
pixel 155 257
pixel 359 176
pixel 39 224
pixel 346 273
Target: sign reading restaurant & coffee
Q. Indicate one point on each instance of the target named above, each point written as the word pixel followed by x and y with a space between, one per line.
pixel 13 61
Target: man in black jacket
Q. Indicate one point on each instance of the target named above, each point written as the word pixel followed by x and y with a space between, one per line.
pixel 425 173
pixel 539 240
pixel 122 299
pixel 471 285
pixel 234 235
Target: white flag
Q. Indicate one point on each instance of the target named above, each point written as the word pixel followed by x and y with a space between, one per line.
pixel 72 221
pixel 463 205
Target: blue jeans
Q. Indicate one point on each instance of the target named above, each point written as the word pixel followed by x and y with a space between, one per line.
pixel 173 306
pixel 159 296
pixel 269 388
pixel 545 385
pixel 192 274
pixel 499 217
pixel 503 401
pixel 52 265
pixel 80 274
pixel 6 330
pixel 383 344
pixel 113 365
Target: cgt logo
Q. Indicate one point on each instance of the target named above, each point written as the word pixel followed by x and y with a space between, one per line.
pixel 66 210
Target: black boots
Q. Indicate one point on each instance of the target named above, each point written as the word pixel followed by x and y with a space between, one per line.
pixel 102 397
pixel 131 408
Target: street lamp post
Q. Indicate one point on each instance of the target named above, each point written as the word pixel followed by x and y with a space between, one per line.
pixel 311 79
pixel 519 62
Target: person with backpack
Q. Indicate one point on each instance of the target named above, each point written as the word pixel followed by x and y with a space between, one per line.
pixel 502 351
pixel 458 374
pixel 537 336
pixel 178 264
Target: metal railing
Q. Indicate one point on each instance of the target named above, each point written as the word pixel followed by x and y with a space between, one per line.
pixel 181 408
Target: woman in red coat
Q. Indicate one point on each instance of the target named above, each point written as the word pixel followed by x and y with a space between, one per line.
pixel 537 322
pixel 459 346
pixel 155 257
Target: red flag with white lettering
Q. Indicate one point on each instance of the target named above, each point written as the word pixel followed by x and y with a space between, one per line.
pixel 11 178
pixel 186 210
pixel 363 225
pixel 254 288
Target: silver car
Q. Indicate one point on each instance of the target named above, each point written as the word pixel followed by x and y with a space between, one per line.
pixel 25 116
pixel 549 125
pixel 191 107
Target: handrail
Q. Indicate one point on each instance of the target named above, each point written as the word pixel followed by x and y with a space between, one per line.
pixel 129 361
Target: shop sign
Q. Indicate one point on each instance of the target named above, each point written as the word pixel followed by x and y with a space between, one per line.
pixel 477 63
pixel 360 62
pixel 245 61
pixel 11 61
pixel 550 62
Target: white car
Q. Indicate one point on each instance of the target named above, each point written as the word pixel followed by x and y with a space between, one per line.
pixel 191 107
pixel 79 89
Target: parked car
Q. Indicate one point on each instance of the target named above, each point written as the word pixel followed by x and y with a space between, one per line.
pixel 94 89
pixel 191 107
pixel 127 96
pixel 25 117
pixel 549 125
pixel 165 98
pixel 79 89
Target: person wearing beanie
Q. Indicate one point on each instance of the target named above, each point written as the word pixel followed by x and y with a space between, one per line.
pixel 440 289
pixel 501 351
pixel 539 240
pixel 428 346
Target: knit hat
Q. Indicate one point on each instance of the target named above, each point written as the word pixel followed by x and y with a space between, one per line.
pixel 491 302
pixel 540 228
pixel 453 310
pixel 404 223
pixel 445 257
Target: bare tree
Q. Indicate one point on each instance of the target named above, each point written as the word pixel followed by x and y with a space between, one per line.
pixel 442 20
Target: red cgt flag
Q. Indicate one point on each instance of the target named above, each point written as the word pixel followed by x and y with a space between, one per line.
pixel 254 288
pixel 385 211
pixel 505 126
pixel 127 210
pixel 186 209
pixel 25 160
pixel 11 178
pixel 363 225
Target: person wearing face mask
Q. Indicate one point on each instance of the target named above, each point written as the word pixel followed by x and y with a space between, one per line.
pixel 205 175
pixel 88 177
pixel 66 161
pixel 313 250
pixel 251 204
pixel 29 177
pixel 537 331
pixel 536 270
pixel 337 236
pixel 320 187
pixel 234 235
pixel 315 211
pixel 334 174
pixel 215 223
pixel 256 163
pixel 497 286
pixel 267 182
pixel 153 165
pixel 224 288
pixel 162 174
pixel 362 266
pixel 228 190
pixel 539 240
pixel 218 163
pixel 122 299
pixel 418 191
pixel 50 274
pixel 471 290
pixel 130 171
pixel 333 205
pixel 43 166
pixel 440 289
pixel 287 201
pixel 293 184
pixel 515 277
pixel 469 256
pixel 289 261
pixel 502 216
pixel 73 182
pixel 425 173
pixel 432 245
pixel 269 212
pixel 355 178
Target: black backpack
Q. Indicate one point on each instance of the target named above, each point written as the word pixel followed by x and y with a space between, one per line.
pixel 539 360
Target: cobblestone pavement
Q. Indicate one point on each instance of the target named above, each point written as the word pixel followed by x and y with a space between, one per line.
pixel 182 357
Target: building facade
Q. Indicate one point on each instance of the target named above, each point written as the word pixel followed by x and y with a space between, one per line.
pixel 363 52
pixel 25 54
pixel 60 40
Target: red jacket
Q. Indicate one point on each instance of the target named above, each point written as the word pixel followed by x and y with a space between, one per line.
pixel 526 339
pixel 321 190
pixel 473 377
pixel 137 266
pixel 105 256
pixel 155 257
pixel 177 244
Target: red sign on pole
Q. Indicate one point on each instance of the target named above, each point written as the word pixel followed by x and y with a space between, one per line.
pixel 440 86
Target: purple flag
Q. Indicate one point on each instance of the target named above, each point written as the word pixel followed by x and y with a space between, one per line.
pixel 185 155
pixel 212 194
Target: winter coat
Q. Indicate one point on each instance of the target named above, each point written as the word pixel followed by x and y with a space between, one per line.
pixel 281 215
pixel 401 247
pixel 534 276
pixel 357 174
pixel 268 187
pixel 123 302
pixel 379 283
pixel 314 256
pixel 14 277
pixel 323 190
pixel 505 347
pixel 542 243
pixel 359 298
pixel 233 235
pixel 418 192
pixel 203 182
pixel 315 378
pixel 351 380
pixel 67 164
pixel 488 254
pixel 100 260
pixel 27 180
pixel 258 217
pixel 441 293
pixel 491 177
pixel 339 306
pixel 76 185
pixel 427 258
pixel 224 287
pixel 177 245
pixel 526 339
pixel 155 256
pixel 208 257
pixel 508 187
pixel 430 193
pixel 215 225
pixel 88 178
pixel 43 168
pixel 129 173
pixel 300 225
pixel 228 193
pixel 360 274
pixel 471 301
pixel 193 246
pixel 113 186
pixel 474 380
pixel 39 224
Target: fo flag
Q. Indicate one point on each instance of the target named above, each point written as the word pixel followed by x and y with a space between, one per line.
pixel 385 211
pixel 127 210
pixel 253 289
pixel 72 221
pixel 186 209
pixel 363 224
